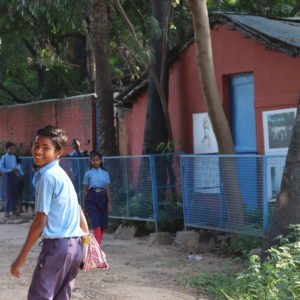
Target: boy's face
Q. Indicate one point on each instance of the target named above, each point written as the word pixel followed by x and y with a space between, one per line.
pixel 11 150
pixel 44 152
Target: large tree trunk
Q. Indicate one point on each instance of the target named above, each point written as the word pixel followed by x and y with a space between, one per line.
pixel 103 85
pixel 288 202
pixel 156 128
pixel 216 112
pixel 207 76
pixel 295 9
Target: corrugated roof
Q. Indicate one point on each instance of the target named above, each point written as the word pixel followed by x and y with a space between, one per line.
pixel 281 35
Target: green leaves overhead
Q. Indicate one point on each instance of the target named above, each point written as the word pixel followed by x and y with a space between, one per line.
pixel 43 43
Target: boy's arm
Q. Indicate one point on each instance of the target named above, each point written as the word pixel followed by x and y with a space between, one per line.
pixel 83 223
pixel 35 230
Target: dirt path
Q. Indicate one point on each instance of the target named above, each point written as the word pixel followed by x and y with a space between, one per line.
pixel 138 270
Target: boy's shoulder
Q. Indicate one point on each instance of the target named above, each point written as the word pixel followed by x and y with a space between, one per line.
pixel 54 172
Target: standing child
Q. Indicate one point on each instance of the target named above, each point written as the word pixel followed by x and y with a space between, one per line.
pixel 97 195
pixel 8 166
pixel 58 219
pixel 20 185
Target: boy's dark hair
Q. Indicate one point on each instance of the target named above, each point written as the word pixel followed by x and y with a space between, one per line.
pixel 9 144
pixel 57 136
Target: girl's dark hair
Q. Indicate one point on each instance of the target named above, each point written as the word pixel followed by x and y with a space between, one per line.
pixel 96 153
pixel 57 136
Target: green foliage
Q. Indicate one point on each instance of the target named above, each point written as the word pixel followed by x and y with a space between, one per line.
pixel 278 277
pixel 166 147
pixel 268 8
pixel 240 245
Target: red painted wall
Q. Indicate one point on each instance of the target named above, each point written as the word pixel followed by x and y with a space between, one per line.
pixel 276 85
pixel 18 123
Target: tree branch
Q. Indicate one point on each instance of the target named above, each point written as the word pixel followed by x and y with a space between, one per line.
pixel 14 97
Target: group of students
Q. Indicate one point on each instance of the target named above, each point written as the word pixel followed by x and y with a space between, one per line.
pixel 59 219
pixel 12 181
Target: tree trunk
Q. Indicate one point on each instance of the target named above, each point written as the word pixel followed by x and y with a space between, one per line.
pixel 103 84
pixel 216 112
pixel 207 76
pixel 295 9
pixel 288 201
pixel 156 130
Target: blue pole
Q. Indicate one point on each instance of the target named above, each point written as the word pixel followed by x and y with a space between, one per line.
pixel 184 192
pixel 154 191
pixel 265 194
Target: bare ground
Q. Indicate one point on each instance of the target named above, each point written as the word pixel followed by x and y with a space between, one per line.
pixel 138 269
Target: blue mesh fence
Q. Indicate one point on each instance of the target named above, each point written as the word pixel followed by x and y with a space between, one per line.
pixel 131 187
pixel 146 188
pixel 75 168
pixel 167 175
pixel 230 193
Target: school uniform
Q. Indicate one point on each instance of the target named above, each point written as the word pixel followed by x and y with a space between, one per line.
pixel 61 253
pixel 96 204
pixel 20 186
pixel 7 164
pixel 76 153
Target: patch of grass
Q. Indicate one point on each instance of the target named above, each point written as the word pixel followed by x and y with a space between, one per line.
pixel 278 277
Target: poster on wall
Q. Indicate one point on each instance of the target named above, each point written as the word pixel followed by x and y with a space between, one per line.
pixel 203 135
pixel 275 173
pixel 278 127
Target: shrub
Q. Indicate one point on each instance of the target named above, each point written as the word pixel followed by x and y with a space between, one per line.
pixel 278 277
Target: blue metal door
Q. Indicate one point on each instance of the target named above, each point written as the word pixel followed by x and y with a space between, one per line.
pixel 242 113
pixel 242 117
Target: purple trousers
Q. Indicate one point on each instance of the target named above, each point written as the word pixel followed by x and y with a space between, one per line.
pixel 10 191
pixel 56 269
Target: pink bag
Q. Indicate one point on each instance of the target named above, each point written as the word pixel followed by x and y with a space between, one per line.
pixel 93 256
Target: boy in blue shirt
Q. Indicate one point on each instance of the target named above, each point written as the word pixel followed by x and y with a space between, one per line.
pixel 9 168
pixel 58 219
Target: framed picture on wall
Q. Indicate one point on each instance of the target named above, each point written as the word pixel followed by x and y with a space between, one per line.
pixel 278 127
pixel 203 135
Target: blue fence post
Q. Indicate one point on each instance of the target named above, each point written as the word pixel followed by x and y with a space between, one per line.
pixel 265 194
pixel 184 192
pixel 154 190
pixel 127 189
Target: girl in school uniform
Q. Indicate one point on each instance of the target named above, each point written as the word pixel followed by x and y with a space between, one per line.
pixel 97 195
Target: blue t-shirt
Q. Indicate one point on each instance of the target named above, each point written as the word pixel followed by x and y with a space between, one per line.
pixel 76 153
pixel 56 197
pixel 96 178
pixel 8 162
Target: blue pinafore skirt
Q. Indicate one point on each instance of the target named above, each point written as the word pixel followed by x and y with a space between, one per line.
pixel 96 207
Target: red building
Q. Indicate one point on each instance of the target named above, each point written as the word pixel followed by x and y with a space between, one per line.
pixel 257 67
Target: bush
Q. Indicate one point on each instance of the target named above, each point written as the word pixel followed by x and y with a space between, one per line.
pixel 278 277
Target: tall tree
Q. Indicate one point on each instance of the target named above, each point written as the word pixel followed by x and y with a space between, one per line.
pixel 157 125
pixel 98 35
pixel 215 111
pixel 41 50
pixel 288 201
